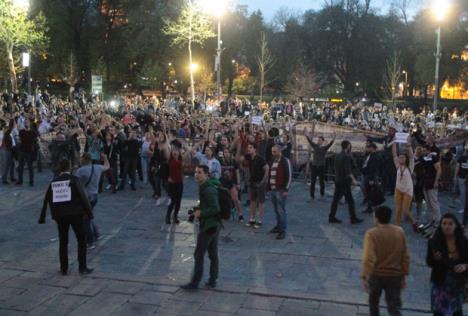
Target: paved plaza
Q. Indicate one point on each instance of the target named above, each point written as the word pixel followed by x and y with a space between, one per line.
pixel 140 262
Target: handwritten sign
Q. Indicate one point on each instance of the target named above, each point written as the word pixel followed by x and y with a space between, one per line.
pixel 257 120
pixel 401 138
pixel 61 191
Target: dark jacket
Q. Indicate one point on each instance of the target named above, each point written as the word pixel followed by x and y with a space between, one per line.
pixel 79 204
pixel 373 167
pixel 440 268
pixel 343 168
pixel 283 175
pixel 320 152
pixel 209 205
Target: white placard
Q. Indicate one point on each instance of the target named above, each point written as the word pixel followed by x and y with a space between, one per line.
pixel 257 120
pixel 401 138
pixel 61 191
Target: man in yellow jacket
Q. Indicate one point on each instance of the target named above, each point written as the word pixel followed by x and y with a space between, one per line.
pixel 385 263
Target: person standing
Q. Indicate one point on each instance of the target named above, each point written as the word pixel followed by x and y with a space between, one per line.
pixel 131 160
pixel 385 263
pixel 90 175
pixel 279 181
pixel 175 182
pixel 318 162
pixel 389 171
pixel 6 149
pixel 344 179
pixel 447 256
pixel 69 205
pixel 432 171
pixel 26 152
pixel 370 172
pixel 208 214
pixel 258 179
pixel 461 173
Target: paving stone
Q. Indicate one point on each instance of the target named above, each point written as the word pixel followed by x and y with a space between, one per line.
pixel 221 302
pixel 254 312
pixel 59 305
pixel 176 308
pixel 261 302
pixel 7 293
pixel 6 274
pixel 135 309
pixel 101 305
pixel 150 298
pixel 87 287
pixel 327 309
pixel 11 312
pixel 34 296
pixel 124 287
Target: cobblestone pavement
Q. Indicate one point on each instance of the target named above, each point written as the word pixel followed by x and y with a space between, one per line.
pixel 140 262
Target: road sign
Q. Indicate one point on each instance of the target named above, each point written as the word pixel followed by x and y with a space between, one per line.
pixel 96 84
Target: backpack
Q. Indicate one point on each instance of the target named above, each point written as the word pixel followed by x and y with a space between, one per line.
pixel 225 203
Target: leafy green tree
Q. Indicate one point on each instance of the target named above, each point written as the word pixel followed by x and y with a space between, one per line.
pixel 19 32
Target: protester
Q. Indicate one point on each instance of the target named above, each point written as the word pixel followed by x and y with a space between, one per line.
pixel 27 152
pixel 344 179
pixel 385 263
pixel 447 256
pixel 370 172
pixel 207 214
pixel 460 175
pixel 279 181
pixel 431 165
pixel 69 206
pixel 175 184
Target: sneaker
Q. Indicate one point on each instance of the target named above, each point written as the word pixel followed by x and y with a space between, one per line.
pixel 189 286
pixel 159 202
pixel 91 246
pixel 367 210
pixel 257 225
pixel 176 221
pixel 251 223
pixel 64 271
pixel 240 219
pixel 108 187
pixel 168 202
pixel 86 271
pixel 281 236
pixel 461 211
pixel 356 220
pixel 274 230
pixel 334 220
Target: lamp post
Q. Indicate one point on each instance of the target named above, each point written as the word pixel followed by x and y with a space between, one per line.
pixel 406 83
pixel 440 8
pixel 27 63
pixel 217 8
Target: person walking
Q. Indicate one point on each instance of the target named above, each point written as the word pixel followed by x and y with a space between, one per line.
pixel 69 205
pixel 279 181
pixel 432 171
pixel 318 162
pixel 385 263
pixel 370 172
pixel 90 175
pixel 447 256
pixel 26 152
pixel 208 214
pixel 132 155
pixel 344 178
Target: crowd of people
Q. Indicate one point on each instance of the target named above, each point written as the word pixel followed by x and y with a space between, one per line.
pixel 101 146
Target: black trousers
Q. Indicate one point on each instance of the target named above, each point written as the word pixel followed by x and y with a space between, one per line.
pixel 77 224
pixel 129 170
pixel 343 188
pixel 392 288
pixel 206 241
pixel 317 171
pixel 175 191
pixel 25 158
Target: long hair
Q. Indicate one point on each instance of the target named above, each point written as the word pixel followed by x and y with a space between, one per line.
pixel 439 235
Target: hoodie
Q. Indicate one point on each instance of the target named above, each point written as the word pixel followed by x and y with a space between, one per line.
pixel 209 205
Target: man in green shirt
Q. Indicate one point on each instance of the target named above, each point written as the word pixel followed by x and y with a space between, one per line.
pixel 208 214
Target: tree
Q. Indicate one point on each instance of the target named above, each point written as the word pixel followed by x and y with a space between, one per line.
pixel 192 27
pixel 205 83
pixel 18 32
pixel 392 76
pixel 304 83
pixel 265 62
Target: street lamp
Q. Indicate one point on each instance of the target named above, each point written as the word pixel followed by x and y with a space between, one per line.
pixel 440 8
pixel 194 67
pixel 217 8
pixel 406 82
pixel 21 4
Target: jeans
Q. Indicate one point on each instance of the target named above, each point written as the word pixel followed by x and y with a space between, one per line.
pixel 465 212
pixel 63 225
pixel 144 168
pixel 317 171
pixel 28 158
pixel 389 175
pixel 129 169
pixel 8 164
pixel 343 189
pixel 392 288
pixel 279 206
pixel 432 202
pixel 91 230
pixel 175 193
pixel 158 182
pixel 206 241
